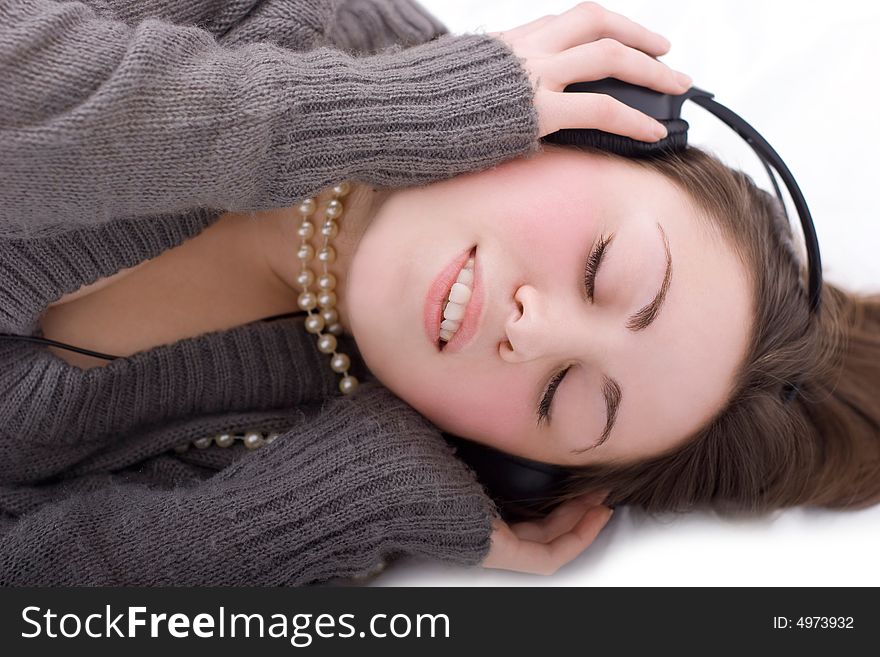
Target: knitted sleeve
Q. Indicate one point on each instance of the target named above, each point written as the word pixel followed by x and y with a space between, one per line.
pixel 361 26
pixel 100 119
pixel 373 479
pixel 215 16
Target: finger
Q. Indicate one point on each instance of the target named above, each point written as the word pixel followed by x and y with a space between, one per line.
pixel 588 21
pixel 522 30
pixel 600 112
pixel 560 520
pixel 610 58
pixel 548 558
pixel 568 546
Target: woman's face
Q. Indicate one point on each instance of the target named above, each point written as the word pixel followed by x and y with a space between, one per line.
pixel 534 222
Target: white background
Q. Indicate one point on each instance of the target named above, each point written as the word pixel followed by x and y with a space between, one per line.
pixel 805 75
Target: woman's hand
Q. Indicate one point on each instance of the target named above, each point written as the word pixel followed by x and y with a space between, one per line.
pixel 543 546
pixel 588 42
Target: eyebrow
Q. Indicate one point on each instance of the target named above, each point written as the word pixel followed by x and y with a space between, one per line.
pixel 642 319
pixel 638 321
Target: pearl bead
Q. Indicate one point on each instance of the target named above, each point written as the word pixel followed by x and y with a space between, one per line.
pixel 180 449
pixel 340 363
pixel 348 384
pixel 307 300
pixel 253 440
pixel 272 437
pixel 203 443
pixel 334 208
pixel 327 299
pixel 305 278
pixel 327 344
pixel 327 255
pixel 327 281
pixel 224 439
pixel 324 300
pixel 314 323
pixel 305 252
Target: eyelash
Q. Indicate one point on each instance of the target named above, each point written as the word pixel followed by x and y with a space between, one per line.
pixel 593 264
pixel 547 399
pixel 589 283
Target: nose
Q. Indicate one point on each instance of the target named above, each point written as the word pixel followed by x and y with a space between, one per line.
pixel 541 328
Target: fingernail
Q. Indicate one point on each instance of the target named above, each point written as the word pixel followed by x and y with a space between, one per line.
pixel 660 131
pixel 683 80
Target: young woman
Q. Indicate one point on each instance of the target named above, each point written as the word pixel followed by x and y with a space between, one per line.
pixel 154 210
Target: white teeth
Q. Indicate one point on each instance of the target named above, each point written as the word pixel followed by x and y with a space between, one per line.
pixel 460 293
pixel 457 301
pixel 453 311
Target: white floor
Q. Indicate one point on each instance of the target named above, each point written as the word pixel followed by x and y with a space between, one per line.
pixel 804 74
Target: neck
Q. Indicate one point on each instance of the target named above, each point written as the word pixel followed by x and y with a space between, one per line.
pixel 281 241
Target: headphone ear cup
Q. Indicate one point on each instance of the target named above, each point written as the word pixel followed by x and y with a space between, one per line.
pixel 676 139
pixel 520 487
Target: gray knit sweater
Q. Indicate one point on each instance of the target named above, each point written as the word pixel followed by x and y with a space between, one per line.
pixel 129 126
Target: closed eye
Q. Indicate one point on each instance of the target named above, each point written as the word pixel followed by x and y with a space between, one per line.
pixel 592 265
pixel 549 394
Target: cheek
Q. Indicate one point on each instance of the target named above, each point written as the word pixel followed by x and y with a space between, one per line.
pixel 548 239
pixel 479 406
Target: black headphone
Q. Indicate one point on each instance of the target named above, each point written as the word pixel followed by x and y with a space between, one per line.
pixel 523 488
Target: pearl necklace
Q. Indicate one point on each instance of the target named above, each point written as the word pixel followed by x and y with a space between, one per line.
pixel 326 298
pixel 316 322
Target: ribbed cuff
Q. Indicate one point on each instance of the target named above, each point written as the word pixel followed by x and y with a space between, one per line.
pixel 403 117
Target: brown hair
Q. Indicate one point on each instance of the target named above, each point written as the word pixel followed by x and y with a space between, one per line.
pixel 760 453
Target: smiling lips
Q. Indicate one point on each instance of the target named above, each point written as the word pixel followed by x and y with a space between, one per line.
pixel 437 296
